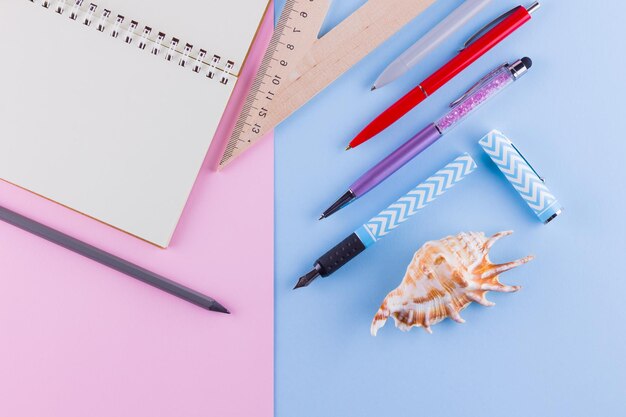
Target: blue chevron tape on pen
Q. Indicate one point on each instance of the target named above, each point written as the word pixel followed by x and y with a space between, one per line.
pixel 389 219
pixel 521 174
pixel 416 199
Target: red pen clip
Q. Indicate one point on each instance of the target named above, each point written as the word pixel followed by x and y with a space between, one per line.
pixel 533 8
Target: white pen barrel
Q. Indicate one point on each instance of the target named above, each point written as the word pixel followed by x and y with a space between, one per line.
pixel 455 21
pixel 429 42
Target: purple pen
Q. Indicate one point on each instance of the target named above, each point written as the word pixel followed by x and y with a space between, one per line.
pixel 490 85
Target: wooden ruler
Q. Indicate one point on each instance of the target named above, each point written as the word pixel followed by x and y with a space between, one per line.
pixel 298 65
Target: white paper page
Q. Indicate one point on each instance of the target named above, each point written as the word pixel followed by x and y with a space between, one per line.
pixel 222 27
pixel 100 126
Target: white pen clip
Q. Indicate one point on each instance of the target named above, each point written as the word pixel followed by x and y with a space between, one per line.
pixel 531 9
pixel 477 86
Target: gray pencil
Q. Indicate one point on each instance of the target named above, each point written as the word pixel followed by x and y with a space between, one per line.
pixel 110 260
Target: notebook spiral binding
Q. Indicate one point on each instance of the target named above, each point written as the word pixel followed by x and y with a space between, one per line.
pixel 107 22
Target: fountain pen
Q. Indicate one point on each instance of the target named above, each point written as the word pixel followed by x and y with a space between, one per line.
pixel 389 219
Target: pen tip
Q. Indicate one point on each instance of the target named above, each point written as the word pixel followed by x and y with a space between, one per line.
pixel 343 201
pixel 322 217
pixel 307 279
pixel 373 88
pixel 348 147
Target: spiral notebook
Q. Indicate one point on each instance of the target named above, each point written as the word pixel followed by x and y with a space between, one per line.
pixel 109 108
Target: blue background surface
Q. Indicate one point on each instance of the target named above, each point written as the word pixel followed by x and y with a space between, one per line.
pixel 557 347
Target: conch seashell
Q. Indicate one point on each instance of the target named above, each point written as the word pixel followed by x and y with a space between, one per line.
pixel 444 277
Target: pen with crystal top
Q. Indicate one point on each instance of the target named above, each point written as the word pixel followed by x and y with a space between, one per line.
pixel 390 218
pixel 476 47
pixel 487 87
pixel 429 42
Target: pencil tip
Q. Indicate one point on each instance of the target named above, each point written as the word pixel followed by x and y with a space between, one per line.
pixel 217 307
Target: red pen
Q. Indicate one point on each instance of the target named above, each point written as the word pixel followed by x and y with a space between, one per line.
pixel 477 46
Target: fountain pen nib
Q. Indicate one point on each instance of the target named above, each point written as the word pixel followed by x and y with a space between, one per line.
pixel 307 279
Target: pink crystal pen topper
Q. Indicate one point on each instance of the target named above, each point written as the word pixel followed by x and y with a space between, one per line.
pixel 490 85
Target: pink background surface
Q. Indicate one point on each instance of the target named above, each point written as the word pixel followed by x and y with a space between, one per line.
pixel 79 339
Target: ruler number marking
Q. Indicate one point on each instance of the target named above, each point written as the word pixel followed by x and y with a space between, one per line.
pixel 282 47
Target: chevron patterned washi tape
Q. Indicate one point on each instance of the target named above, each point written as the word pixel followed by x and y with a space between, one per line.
pixel 416 199
pixel 521 175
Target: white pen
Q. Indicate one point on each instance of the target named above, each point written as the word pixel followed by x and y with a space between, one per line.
pixel 429 42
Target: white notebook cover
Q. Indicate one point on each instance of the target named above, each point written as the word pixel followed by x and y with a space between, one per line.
pixel 104 127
